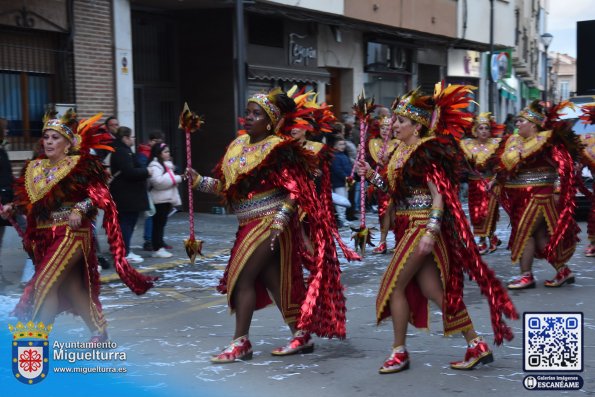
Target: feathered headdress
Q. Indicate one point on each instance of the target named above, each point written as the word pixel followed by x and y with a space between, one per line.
pixel 267 102
pixel 415 106
pixel 487 118
pixel 588 116
pixel 308 115
pixel 66 126
pixel 380 122
pixel 83 135
pixel 450 116
pixel 534 114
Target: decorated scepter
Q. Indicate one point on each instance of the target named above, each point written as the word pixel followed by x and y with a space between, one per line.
pixel 190 122
pixel 363 108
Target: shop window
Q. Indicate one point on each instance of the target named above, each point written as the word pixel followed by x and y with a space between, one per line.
pixel 383 57
pixel 267 31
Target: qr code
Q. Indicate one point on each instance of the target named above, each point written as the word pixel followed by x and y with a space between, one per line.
pixel 553 341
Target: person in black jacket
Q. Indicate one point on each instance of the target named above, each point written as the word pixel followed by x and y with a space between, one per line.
pixel 128 187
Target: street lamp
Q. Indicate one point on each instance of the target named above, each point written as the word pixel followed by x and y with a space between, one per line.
pixel 546 40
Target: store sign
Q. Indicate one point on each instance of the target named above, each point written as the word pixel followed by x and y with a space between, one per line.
pixel 500 65
pixel 301 50
pixel 463 63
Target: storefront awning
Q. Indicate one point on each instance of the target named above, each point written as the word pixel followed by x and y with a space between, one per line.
pixel 287 74
pixel 507 91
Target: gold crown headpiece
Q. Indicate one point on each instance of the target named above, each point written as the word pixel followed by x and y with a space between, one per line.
pixel 532 114
pixel 30 330
pixel 482 118
pixel 65 126
pixel 267 102
pixel 415 107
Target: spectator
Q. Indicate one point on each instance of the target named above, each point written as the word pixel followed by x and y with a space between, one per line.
pixel 164 193
pixel 144 157
pixel 340 170
pixel 128 187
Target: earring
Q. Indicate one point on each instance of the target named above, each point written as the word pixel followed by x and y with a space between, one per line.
pixel 268 127
pixel 416 133
pixel 65 150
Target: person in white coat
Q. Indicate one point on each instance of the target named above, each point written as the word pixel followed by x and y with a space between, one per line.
pixel 163 189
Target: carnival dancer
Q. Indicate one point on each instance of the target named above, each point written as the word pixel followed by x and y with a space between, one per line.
pixel 311 120
pixel 380 148
pixel 483 205
pixel 264 177
pixel 536 167
pixel 435 244
pixel 60 194
pixel 588 160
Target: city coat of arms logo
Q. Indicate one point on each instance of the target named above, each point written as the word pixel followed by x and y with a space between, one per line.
pixel 30 351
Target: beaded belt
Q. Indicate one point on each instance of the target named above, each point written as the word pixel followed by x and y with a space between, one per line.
pixel 538 176
pixel 260 205
pixel 57 218
pixel 418 200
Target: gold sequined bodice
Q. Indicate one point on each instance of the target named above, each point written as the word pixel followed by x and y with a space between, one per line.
pixel 375 147
pixel 479 152
pixel 41 176
pixel 242 156
pixel 398 159
pixel 518 148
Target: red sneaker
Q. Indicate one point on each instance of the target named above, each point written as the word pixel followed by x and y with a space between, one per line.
pixel 381 249
pixel 397 361
pixel 239 349
pixel 563 276
pixel 483 248
pixel 523 281
pixel 300 343
pixel 590 251
pixel 478 353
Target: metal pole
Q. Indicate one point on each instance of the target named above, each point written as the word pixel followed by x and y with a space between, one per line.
pixel 490 80
pixel 240 57
pixel 546 76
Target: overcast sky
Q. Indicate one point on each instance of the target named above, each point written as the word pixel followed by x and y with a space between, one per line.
pixel 561 22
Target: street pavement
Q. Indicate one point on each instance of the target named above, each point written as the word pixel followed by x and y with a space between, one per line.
pixel 170 332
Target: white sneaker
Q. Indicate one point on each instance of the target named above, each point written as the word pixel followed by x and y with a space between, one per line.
pixel 162 253
pixel 133 258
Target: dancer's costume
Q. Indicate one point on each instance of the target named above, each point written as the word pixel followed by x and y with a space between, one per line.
pixel 47 194
pixel 263 183
pixel 532 171
pixel 436 159
pixel 483 205
pixel 377 148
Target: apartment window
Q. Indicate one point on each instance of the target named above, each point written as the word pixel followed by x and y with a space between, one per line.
pixel 564 90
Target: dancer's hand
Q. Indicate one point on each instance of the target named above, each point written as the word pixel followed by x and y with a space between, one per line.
pixel 426 245
pixel 74 220
pixel 362 167
pixel 191 173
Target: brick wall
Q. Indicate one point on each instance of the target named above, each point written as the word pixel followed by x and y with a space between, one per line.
pixel 93 57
